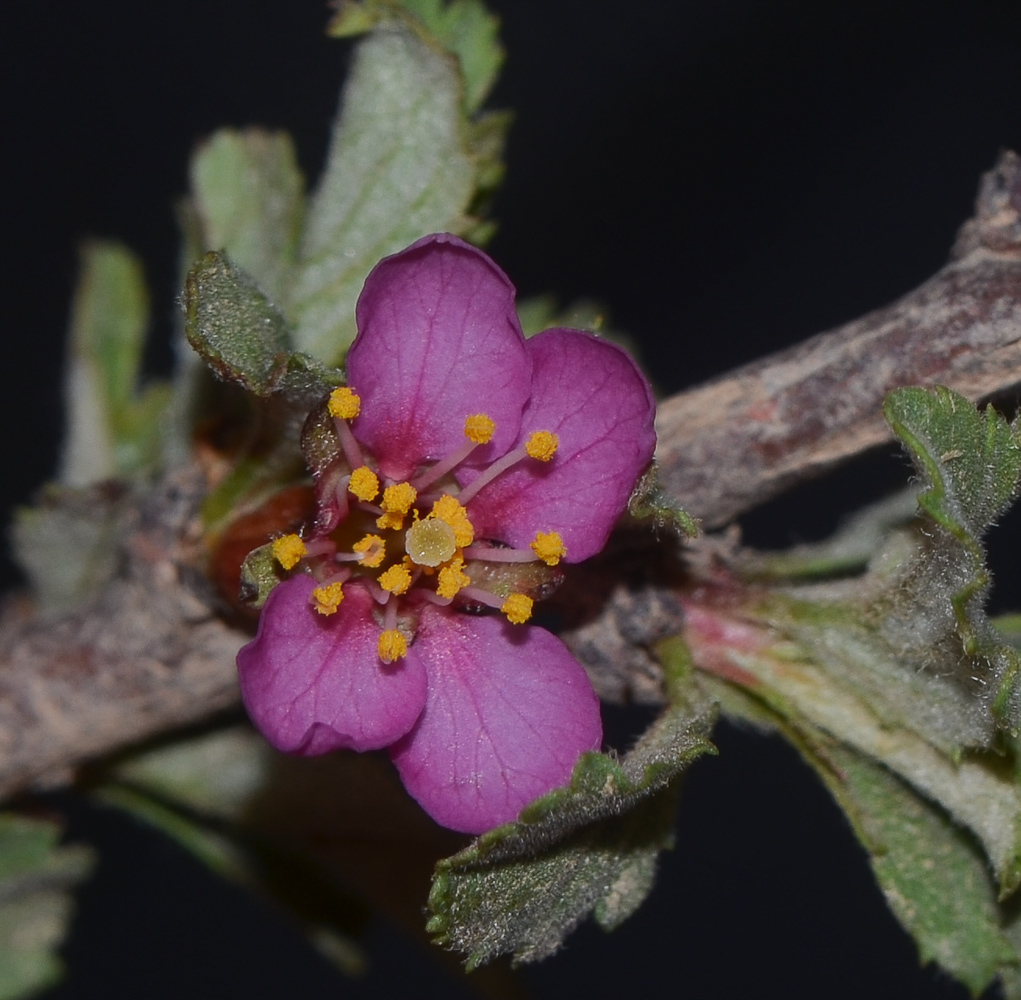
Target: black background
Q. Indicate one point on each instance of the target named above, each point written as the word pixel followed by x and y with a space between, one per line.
pixel 728 177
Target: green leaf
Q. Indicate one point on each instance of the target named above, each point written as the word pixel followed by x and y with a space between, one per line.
pixel 403 163
pixel 463 27
pixel 909 636
pixel 814 687
pixel 35 903
pixel 970 460
pixel 67 544
pixel 932 873
pixel 233 325
pixel 970 463
pixel 110 430
pixel 248 197
pixel 260 573
pixel 589 847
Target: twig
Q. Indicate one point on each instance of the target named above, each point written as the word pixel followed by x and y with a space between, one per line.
pixel 150 653
pixel 744 437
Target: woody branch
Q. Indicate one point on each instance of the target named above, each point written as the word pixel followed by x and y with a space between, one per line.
pixel 150 653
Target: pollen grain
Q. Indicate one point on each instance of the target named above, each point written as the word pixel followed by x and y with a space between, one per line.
pixel 397 579
pixel 549 547
pixel 344 404
pixel 364 484
pixel 452 578
pixel 327 598
pixel 392 646
pixel 479 428
pixel 517 608
pixel 542 445
pixel 288 550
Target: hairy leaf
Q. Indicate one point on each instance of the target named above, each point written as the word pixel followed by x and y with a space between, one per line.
pixel 980 790
pixel 248 197
pixel 402 164
pixel 589 847
pixel 112 430
pixel 233 325
pixel 67 544
pixel 463 27
pixel 970 462
pixel 648 502
pixel 932 873
pixel 35 903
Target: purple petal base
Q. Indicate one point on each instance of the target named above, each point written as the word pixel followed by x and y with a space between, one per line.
pixel 314 683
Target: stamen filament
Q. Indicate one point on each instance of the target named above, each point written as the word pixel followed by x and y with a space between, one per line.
pixel 443 466
pixel 378 594
pixel 486 477
pixel 477 596
pixel 517 607
pixel 320 547
pixel 351 448
pixel 486 554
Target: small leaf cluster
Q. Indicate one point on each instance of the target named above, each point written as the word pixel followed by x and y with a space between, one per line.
pixel 874 656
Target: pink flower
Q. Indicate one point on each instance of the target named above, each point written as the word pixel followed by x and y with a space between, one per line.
pixel 460 465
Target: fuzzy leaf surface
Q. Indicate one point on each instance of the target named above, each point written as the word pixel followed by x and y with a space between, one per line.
pixel 67 544
pixel 233 325
pixel 931 871
pixel 248 198
pixel 970 463
pixel 36 877
pixel 402 163
pixel 112 428
pixel 463 27
pixel 589 847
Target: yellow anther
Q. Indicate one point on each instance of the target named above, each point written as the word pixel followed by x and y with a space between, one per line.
pixel 397 499
pixel 549 547
pixel 392 646
pixel 371 549
pixel 542 445
pixel 396 579
pixel 364 484
pixel 518 608
pixel 450 511
pixel 390 522
pixel 288 550
pixel 479 428
pixel 452 578
pixel 430 542
pixel 327 598
pixel 344 403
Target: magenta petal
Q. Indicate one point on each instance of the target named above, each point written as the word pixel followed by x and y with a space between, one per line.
pixel 313 683
pixel 508 712
pixel 438 340
pixel 592 395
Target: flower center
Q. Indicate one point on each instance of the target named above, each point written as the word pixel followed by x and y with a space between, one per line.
pixel 439 547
